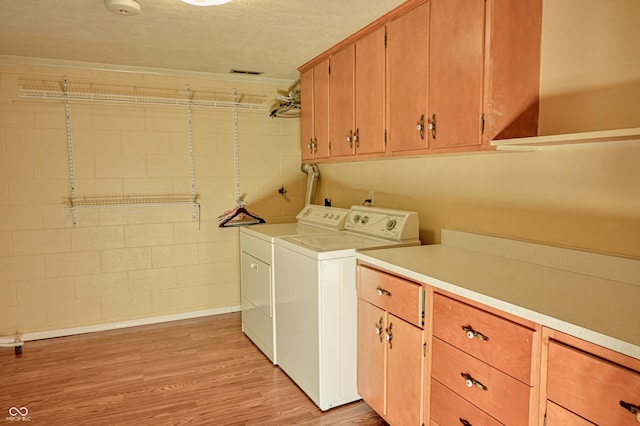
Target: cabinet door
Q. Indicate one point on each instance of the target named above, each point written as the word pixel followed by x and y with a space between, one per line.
pixel 306 115
pixel 404 372
pixel 407 80
pixel 371 344
pixel 341 110
pixel 456 72
pixel 369 93
pixel 314 115
pixel 321 109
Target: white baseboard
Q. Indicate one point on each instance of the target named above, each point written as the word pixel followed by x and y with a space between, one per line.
pixel 124 324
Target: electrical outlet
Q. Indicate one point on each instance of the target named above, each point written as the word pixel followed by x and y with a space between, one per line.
pixel 371 195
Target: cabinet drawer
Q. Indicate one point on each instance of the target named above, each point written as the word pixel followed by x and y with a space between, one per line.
pixel 558 416
pixel 400 297
pixel 494 392
pixel 448 408
pixel 592 387
pixel 499 342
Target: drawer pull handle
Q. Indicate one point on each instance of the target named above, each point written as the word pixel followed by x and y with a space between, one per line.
pixel 471 333
pixel 379 329
pixel 465 422
pixel 389 335
pixel 383 292
pixel 254 266
pixel 471 382
pixel 633 409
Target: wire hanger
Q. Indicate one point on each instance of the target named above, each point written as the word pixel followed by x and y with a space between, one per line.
pixel 238 216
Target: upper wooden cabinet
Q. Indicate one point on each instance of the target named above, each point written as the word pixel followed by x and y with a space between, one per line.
pixel 454 118
pixel 408 80
pixel 314 114
pixel 357 85
pixel 451 76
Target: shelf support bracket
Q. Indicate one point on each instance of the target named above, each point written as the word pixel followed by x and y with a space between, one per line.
pixel 195 211
pixel 72 180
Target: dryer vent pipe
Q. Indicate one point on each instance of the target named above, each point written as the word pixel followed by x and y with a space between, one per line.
pixel 313 174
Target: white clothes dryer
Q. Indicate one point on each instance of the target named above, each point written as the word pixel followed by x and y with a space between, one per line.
pixel 257 273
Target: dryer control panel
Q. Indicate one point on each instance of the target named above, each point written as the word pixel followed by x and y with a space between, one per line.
pixel 332 218
pixel 390 224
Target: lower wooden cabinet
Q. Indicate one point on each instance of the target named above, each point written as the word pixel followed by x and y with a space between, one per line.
pixel 593 388
pixel 390 349
pixel 434 358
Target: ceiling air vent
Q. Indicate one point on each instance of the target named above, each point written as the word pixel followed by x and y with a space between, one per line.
pixel 245 72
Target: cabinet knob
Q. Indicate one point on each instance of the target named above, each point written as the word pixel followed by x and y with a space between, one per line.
pixel 471 382
pixel 432 126
pixel 356 138
pixel 350 138
pixel 379 329
pixel 383 292
pixel 471 333
pixel 420 127
pixel 389 335
pixel 633 409
pixel 254 266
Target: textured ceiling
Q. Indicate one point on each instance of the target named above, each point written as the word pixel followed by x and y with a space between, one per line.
pixel 271 36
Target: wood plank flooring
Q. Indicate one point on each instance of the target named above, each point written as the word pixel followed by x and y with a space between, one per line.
pixel 202 371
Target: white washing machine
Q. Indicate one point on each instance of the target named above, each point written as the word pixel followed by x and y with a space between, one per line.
pixel 316 300
pixel 257 273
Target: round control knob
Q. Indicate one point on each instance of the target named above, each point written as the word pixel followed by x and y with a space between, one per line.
pixel 364 220
pixel 356 218
pixel 470 334
pixel 469 383
pixel 391 223
pixel 325 215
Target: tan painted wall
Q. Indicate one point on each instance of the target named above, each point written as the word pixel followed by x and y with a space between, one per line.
pixel 586 198
pixel 120 264
pixel 590 73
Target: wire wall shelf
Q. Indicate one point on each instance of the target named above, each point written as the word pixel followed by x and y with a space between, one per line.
pixel 90 92
pixel 131 201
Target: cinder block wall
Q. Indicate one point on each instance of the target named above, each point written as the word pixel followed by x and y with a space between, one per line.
pixel 126 264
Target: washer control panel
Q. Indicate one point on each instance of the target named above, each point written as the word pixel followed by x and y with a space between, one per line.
pixel 332 218
pixel 390 224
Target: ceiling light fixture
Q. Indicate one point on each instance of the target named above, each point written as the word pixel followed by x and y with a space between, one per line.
pixel 206 2
pixel 123 7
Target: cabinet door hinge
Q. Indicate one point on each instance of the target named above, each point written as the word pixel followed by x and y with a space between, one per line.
pixel 423 305
pixel 424 349
pixel 329 69
pixel 482 123
pixel 385 39
pixel 385 137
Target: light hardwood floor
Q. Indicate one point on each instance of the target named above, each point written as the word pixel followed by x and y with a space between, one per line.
pixel 201 371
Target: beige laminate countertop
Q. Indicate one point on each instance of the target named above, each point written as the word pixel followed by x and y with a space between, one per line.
pixel 601 311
